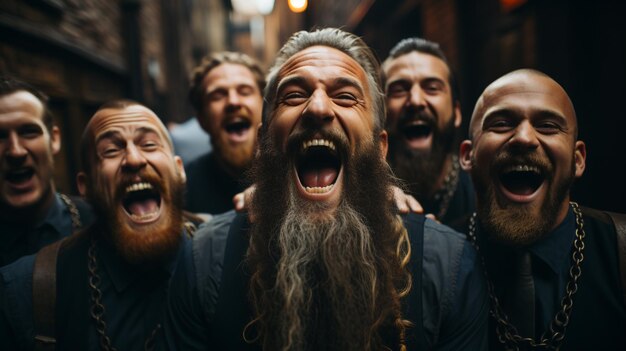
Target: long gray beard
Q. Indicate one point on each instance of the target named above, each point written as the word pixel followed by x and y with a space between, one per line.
pixel 326 277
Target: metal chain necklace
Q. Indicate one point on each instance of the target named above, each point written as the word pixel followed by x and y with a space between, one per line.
pixel 444 195
pixel 97 308
pixel 553 337
pixel 74 214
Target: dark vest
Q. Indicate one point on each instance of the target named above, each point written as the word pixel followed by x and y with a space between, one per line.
pixel 233 311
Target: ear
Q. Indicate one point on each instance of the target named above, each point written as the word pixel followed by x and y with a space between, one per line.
pixel 384 143
pixel 465 155
pixel 180 167
pixel 580 154
pixel 81 182
pixel 55 140
pixel 458 118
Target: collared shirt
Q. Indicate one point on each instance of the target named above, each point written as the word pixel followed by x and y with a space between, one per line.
pixel 21 239
pixel 133 298
pixel 551 262
pixel 598 316
pixel 211 189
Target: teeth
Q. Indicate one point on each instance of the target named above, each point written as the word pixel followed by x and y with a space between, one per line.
pixel 138 187
pixel 144 216
pixel 318 142
pixel 523 168
pixel 318 190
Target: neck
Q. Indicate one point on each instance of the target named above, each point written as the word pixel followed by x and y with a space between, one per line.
pixel 28 215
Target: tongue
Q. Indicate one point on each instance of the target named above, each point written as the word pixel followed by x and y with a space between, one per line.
pixel 143 207
pixel 318 177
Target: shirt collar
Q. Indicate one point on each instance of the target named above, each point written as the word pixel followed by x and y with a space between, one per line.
pixel 550 250
pixel 57 217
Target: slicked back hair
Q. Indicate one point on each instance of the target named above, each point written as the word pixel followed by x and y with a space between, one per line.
pixel 213 60
pixel 415 44
pixel 345 42
pixel 10 85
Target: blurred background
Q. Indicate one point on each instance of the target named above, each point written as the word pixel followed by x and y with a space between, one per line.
pixel 85 52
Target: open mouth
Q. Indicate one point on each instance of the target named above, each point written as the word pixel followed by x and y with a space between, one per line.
pixel 417 131
pixel 318 166
pixel 237 126
pixel 142 202
pixel 19 176
pixel 522 180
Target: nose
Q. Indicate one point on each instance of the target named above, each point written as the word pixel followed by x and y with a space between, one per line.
pixel 233 100
pixel 417 100
pixel 319 109
pixel 133 159
pixel 15 148
pixel 524 136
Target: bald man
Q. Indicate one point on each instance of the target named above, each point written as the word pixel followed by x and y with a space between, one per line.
pixel 553 264
pixel 112 278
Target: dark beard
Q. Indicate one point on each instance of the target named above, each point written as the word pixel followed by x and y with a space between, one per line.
pixel 420 170
pixel 517 225
pixel 324 283
pixel 154 242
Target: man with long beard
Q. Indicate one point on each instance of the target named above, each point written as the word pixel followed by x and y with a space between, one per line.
pixel 326 264
pixel 110 279
pixel 226 94
pixel 553 266
pixel 423 122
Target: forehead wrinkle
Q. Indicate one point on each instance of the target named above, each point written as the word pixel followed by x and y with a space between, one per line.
pixel 126 120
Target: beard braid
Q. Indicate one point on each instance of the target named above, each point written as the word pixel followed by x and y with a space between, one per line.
pixel 518 225
pixel 155 241
pixel 329 283
pixel 420 170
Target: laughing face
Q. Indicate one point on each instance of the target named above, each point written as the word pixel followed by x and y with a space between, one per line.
pixel 136 182
pixel 26 154
pixel 323 115
pixel 231 114
pixel 422 119
pixel 523 156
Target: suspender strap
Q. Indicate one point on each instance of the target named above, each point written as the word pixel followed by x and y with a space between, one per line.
pixel 45 286
pixel 619 220
pixel 412 304
pixel 44 296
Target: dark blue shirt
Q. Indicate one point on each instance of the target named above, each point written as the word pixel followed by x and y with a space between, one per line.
pixel 21 239
pixel 598 317
pixel 454 298
pixel 134 299
pixel 210 188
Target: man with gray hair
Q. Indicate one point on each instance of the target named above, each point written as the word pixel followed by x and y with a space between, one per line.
pixel 327 263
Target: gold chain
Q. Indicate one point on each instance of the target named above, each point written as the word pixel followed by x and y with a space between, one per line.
pixel 75 215
pixel 448 188
pixel 553 337
pixel 97 308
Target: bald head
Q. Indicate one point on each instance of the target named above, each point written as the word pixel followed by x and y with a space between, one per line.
pixel 518 88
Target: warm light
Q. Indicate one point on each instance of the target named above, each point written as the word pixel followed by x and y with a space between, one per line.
pixel 297 6
pixel 252 8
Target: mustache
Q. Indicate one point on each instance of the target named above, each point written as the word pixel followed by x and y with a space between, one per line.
pixel 295 140
pixel 507 158
pixel 411 115
pixel 147 176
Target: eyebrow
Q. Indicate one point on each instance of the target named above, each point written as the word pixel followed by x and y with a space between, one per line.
pixel 514 112
pixel 339 81
pixel 113 134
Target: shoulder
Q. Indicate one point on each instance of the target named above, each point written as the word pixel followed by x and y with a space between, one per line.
pixel 201 162
pixel 18 274
pixel 209 242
